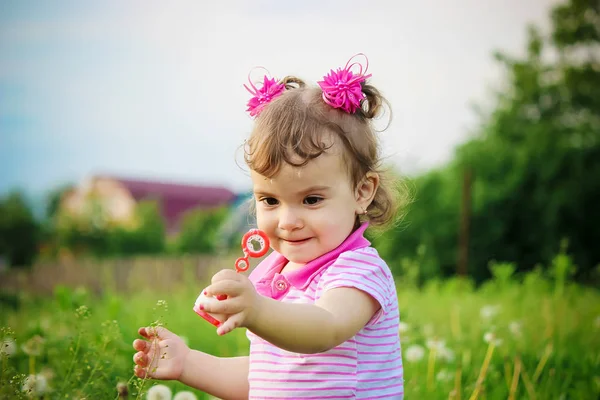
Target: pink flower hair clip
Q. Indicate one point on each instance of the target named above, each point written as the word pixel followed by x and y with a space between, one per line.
pixel 343 88
pixel 269 90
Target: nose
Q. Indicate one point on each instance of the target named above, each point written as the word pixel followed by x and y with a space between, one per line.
pixel 289 219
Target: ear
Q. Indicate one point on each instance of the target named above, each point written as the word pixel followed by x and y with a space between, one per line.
pixel 365 191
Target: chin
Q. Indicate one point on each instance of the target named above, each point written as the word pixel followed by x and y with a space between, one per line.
pixel 299 260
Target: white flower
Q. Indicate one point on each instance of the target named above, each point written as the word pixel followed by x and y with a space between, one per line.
pixel 34 346
pixel 8 347
pixel 441 351
pixel 444 375
pixel 185 395
pixel 35 385
pixel 159 392
pixel 433 344
pixel 489 311
pixel 415 353
pixel 445 353
pixel 403 327
pixel 515 328
pixel 490 337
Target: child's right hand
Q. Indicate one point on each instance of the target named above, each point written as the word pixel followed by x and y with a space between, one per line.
pixel 162 356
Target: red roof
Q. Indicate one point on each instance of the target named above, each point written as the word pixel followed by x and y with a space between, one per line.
pixel 205 196
pixel 177 198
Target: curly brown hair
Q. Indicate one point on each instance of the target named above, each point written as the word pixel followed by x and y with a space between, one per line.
pixel 291 129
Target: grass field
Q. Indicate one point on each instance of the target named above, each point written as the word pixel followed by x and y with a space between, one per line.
pixel 536 337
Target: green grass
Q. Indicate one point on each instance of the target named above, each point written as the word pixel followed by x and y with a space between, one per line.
pixel 542 339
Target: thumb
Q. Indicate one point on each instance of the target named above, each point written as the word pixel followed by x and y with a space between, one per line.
pixel 230 324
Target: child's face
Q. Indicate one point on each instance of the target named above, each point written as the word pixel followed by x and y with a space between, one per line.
pixel 308 211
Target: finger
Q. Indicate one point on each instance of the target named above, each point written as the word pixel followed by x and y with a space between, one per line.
pixel 141 372
pixel 148 332
pixel 141 345
pixel 151 332
pixel 224 274
pixel 235 321
pixel 141 359
pixel 225 287
pixel 227 306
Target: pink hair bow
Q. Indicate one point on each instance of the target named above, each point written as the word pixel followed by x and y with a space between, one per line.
pixel 267 92
pixel 342 88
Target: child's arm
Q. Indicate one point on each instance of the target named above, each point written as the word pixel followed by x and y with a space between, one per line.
pixel 165 356
pixel 306 328
pixel 301 328
pixel 223 377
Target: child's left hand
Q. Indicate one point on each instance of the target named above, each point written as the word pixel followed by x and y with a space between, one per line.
pixel 241 302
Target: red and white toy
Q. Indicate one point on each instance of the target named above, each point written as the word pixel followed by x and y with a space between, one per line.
pixel 255 243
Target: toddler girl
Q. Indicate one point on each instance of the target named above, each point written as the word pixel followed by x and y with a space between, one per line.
pixel 321 310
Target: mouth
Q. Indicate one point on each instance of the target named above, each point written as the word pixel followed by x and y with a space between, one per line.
pixel 297 241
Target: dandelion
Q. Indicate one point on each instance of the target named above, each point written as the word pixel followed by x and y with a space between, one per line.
pixel 444 375
pixel 122 390
pixel 490 337
pixel 35 385
pixel 403 327
pixel 185 395
pixel 34 346
pixel 415 353
pixel 47 373
pixel 445 354
pixel 8 347
pixel 515 328
pixel 159 392
pixel 435 344
pixel 441 351
pixel 489 311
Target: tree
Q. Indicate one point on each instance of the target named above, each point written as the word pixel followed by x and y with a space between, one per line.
pixel 19 232
pixel 536 160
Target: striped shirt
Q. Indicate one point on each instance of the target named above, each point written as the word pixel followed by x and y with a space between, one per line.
pixel 367 366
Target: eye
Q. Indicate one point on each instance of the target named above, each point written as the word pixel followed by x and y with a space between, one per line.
pixel 270 201
pixel 312 200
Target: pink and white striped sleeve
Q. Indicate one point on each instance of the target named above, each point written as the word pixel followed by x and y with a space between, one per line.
pixel 362 269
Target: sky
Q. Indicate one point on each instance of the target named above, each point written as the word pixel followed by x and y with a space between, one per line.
pixel 154 90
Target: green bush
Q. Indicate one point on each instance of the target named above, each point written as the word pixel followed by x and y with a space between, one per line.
pixel 199 230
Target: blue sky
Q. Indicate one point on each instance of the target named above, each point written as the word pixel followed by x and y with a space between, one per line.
pixel 153 89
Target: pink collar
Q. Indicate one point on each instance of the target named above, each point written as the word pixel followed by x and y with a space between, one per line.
pixel 263 274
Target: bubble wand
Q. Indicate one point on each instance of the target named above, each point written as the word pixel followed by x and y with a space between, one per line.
pixel 255 243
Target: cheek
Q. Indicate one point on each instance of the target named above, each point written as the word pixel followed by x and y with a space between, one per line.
pixel 264 220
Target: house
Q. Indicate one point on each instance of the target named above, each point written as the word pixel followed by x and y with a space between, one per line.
pixel 112 200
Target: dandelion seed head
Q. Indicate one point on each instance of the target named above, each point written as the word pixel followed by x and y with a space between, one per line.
pixel 414 353
pixel 489 311
pixel 403 327
pixel 122 389
pixel 159 392
pixel 490 337
pixel 185 395
pixel 444 375
pixel 34 346
pixel 35 385
pixel 515 328
pixel 8 347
